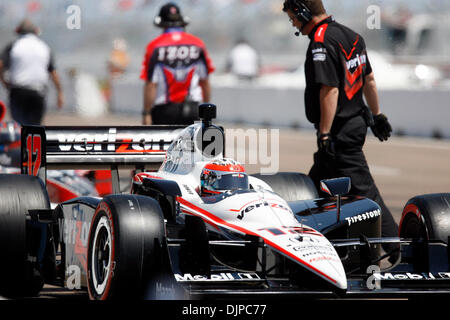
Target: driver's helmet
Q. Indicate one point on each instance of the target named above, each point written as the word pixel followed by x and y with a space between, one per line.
pixel 222 175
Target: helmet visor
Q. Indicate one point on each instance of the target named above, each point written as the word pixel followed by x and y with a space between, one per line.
pixel 232 181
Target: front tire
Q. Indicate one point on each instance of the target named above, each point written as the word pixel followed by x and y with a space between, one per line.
pixel 426 217
pixel 126 246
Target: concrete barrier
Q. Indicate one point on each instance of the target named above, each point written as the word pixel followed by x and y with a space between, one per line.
pixel 424 113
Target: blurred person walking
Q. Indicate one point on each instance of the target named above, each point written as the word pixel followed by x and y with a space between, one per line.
pixel 119 59
pixel 176 71
pixel 338 75
pixel 243 61
pixel 25 68
pixel 117 65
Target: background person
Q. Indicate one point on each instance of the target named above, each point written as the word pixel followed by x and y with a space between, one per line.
pixel 176 72
pixel 243 61
pixel 338 75
pixel 25 68
pixel 117 65
pixel 396 23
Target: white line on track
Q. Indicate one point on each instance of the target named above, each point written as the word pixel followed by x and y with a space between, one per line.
pixel 384 171
pixel 421 144
pixel 406 142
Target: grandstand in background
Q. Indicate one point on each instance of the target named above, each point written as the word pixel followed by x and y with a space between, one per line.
pixel 218 22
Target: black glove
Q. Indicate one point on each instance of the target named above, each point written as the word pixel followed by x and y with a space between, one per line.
pixel 381 127
pixel 325 144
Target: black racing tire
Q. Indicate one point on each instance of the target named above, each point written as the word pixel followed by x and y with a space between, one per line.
pixel 19 276
pixel 291 186
pixel 426 217
pixel 126 245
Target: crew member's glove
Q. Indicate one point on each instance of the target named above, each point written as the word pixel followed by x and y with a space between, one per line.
pixel 325 144
pixel 381 127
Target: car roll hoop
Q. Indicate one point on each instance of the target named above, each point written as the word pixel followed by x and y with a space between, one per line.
pixel 207 112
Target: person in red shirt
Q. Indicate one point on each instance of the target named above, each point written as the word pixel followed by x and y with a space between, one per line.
pixel 176 72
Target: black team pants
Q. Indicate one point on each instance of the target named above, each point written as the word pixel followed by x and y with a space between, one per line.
pixel 27 106
pixel 349 136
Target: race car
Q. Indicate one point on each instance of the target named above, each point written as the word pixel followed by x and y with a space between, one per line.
pixel 196 225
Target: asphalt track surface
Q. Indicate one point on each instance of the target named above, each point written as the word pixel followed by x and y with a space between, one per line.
pixel 402 167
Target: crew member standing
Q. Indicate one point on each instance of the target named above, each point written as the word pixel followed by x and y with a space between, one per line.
pixel 176 72
pixel 30 64
pixel 338 75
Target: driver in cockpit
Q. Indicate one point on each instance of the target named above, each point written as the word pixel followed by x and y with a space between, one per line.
pixel 222 175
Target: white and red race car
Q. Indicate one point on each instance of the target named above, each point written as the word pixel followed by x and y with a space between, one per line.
pixel 166 239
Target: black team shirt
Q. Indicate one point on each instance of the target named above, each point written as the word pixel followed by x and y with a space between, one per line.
pixel 336 57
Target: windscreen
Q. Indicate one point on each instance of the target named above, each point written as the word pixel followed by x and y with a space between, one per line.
pixel 187 150
pixel 233 181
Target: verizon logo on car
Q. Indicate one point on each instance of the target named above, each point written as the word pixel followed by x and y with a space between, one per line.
pixel 111 141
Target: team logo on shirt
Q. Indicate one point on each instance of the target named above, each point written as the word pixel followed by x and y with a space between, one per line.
pixel 354 70
pixel 319 54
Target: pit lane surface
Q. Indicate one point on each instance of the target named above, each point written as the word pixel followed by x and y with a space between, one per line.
pixel 402 167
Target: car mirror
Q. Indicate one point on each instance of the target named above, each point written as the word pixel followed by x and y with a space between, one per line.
pixel 336 187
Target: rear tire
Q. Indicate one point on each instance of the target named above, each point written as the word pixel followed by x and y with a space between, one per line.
pixel 291 186
pixel 19 276
pixel 426 217
pixel 126 247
